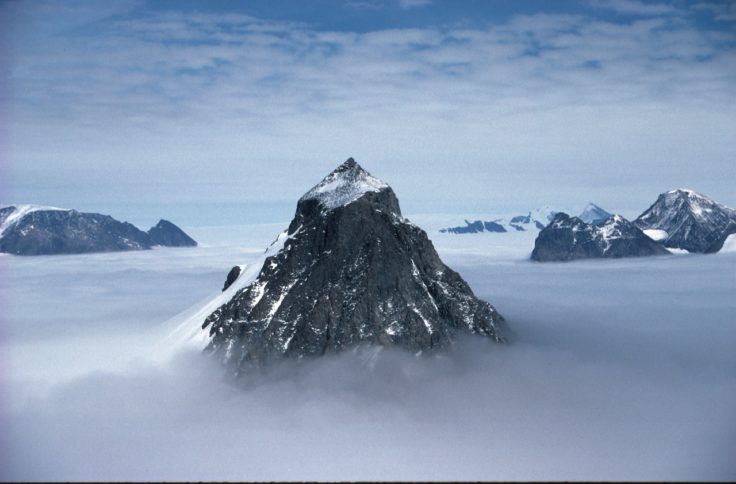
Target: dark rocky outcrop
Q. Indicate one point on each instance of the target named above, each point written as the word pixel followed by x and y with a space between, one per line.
pixel 351 271
pixel 567 238
pixel 167 234
pixel 232 276
pixel 688 220
pixel 475 227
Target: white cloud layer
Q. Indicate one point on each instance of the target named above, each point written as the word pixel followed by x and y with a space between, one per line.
pixel 616 370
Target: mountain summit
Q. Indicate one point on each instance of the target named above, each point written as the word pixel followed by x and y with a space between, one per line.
pixel 593 214
pixel 350 270
pixel 685 219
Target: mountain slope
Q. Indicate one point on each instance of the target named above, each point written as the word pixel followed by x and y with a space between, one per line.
pixel 350 270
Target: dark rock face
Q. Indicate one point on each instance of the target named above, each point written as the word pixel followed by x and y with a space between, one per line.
pixel 493 227
pixel 691 221
pixel 470 228
pixel 718 244
pixel 568 238
pixel 70 232
pixel 351 271
pixel 5 212
pixel 232 276
pixel 167 234
pixel 593 214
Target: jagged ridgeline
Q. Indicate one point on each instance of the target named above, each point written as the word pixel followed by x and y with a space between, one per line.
pixel 350 270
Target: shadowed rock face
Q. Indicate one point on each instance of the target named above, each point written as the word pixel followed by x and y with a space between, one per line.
pixel 351 271
pixel 718 244
pixel 690 220
pixel 232 276
pixel 167 234
pixel 568 238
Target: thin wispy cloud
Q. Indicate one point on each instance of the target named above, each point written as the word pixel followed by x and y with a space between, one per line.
pixel 406 4
pixel 537 89
pixel 634 7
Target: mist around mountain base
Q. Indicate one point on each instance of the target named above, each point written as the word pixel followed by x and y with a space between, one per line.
pixel 615 369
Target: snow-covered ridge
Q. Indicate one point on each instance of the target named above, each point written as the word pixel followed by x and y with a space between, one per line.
pixel 344 185
pixel 698 204
pixel 189 333
pixel 21 211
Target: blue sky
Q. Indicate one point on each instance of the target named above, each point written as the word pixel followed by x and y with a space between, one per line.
pixel 226 112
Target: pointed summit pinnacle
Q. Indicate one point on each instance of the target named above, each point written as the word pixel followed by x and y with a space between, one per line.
pixel 345 184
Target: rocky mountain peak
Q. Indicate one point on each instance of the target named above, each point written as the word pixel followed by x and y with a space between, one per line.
pixel 592 213
pixel 349 271
pixel 167 234
pixel 686 219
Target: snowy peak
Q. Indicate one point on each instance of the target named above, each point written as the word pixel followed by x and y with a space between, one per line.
pixel 592 214
pixel 345 184
pixel 687 220
pixel 697 204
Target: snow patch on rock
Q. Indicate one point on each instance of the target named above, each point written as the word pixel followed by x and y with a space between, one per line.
pixel 344 185
pixel 655 234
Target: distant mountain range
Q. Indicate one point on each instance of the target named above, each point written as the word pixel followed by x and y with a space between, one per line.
pixel 678 219
pixel 40 230
pixel 534 220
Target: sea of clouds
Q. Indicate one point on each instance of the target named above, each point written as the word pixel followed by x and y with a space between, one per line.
pixel 614 370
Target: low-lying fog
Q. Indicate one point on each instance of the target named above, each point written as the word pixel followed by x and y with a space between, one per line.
pixel 615 370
